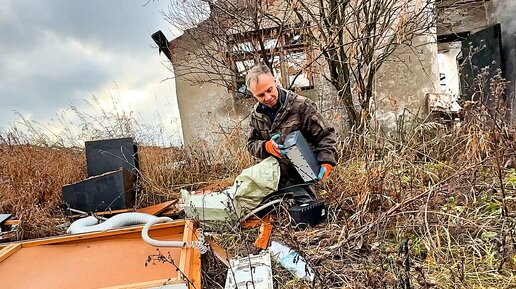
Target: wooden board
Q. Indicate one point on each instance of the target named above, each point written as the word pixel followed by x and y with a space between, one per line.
pixel 112 259
pixel 157 209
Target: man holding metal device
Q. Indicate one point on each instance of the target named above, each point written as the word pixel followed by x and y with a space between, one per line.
pixel 289 127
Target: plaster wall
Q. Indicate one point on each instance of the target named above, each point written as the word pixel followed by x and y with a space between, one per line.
pixel 457 16
pixel 504 12
pixel 404 80
pixel 204 109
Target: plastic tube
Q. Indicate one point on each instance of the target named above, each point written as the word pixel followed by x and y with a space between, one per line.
pixel 199 245
pixel 91 224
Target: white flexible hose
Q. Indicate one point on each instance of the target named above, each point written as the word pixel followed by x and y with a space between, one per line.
pixel 91 224
pixel 199 245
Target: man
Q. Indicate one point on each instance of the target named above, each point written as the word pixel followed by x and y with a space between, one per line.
pixel 280 112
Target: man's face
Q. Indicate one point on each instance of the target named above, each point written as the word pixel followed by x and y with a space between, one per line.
pixel 264 89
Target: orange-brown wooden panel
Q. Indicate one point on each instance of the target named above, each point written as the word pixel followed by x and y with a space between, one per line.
pixel 107 260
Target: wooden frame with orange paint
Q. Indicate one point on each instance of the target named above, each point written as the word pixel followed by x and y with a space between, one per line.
pixel 95 254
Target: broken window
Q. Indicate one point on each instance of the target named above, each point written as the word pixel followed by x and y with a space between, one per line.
pixel 287 53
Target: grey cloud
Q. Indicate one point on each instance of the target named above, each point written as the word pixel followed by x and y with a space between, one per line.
pixel 110 24
pixel 56 52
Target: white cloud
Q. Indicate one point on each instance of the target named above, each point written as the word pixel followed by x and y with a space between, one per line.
pixel 54 54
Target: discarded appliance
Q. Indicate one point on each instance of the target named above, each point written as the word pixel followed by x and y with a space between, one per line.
pixel 304 209
pixel 109 191
pixel 209 208
pixel 112 167
pixel 112 259
pixel 301 156
pixel 108 155
pixel 310 213
pixel 291 260
pixel 247 192
pixel 253 271
pixel 8 227
pixel 307 210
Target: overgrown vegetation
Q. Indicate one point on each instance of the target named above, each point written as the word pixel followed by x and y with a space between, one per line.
pixel 430 206
pixel 449 193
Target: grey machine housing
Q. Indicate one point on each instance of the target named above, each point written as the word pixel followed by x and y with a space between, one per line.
pixel 301 156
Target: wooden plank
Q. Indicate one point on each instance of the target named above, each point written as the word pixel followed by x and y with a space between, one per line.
pixel 72 265
pixel 149 284
pixel 188 258
pixel 157 209
pixel 79 215
pixel 11 222
pixel 190 261
pixel 103 213
pixel 174 210
pixel 8 251
pixel 195 269
pixel 219 252
pixel 86 236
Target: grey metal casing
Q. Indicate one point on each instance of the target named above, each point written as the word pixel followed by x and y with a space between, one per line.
pixel 301 156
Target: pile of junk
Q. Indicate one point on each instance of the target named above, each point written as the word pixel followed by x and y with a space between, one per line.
pixel 112 242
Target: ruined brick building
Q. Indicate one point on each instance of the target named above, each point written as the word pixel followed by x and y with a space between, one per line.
pixel 402 84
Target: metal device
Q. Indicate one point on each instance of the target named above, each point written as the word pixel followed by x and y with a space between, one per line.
pixel 308 214
pixel 108 155
pixel 110 191
pixel 301 156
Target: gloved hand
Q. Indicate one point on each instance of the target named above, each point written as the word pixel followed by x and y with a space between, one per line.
pixel 275 149
pixel 324 171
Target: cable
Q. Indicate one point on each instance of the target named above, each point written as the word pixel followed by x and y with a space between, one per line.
pixel 253 212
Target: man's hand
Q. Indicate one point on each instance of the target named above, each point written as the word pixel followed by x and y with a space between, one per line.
pixel 275 149
pixel 324 171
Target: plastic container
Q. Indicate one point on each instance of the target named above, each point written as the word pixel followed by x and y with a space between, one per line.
pixel 291 260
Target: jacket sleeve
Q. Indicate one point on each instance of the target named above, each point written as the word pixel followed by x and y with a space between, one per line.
pixel 320 134
pixel 255 142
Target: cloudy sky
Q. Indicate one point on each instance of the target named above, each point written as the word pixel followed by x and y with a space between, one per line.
pixel 55 54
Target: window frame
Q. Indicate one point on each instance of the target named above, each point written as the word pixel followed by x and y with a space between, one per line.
pixel 255 54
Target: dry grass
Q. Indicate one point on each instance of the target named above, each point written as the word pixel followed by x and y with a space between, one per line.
pixel 450 208
pixel 166 171
pixel 429 207
pixel 31 179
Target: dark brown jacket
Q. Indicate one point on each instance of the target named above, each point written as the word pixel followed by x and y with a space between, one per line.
pixel 296 113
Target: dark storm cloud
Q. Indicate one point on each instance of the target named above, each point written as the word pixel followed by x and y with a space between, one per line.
pixel 53 53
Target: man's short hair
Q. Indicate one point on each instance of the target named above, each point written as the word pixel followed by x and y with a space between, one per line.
pixel 253 73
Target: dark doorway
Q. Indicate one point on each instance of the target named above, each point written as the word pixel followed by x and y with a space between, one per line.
pixel 479 61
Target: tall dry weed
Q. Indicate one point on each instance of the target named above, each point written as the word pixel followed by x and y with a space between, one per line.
pixel 31 179
pixel 165 171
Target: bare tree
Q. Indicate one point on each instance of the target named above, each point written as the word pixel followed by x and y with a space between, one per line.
pixel 228 40
pixel 352 37
pixel 356 37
